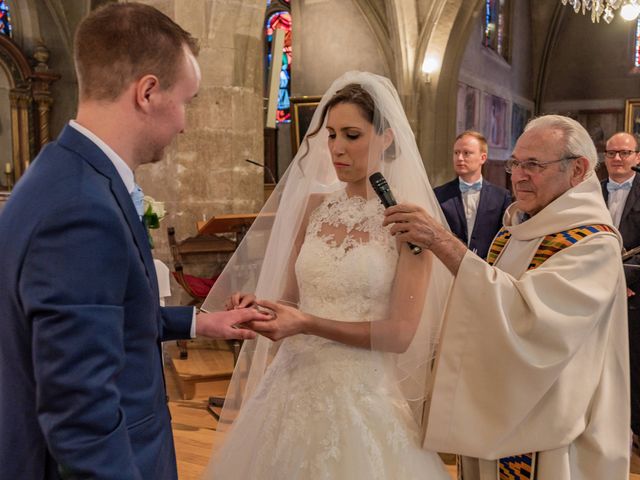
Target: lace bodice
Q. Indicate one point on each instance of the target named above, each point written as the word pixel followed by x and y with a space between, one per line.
pixel 346 265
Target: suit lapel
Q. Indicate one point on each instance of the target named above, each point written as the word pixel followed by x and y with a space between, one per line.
pixel 483 201
pixel 457 201
pixel 73 140
pixel 605 192
pixel 632 198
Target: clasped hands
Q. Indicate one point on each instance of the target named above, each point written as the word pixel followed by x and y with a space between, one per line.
pixel 284 320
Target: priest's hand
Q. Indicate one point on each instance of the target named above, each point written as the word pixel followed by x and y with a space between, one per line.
pixel 410 223
pixel 230 324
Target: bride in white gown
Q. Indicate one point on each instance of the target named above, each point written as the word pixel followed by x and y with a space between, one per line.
pixel 341 391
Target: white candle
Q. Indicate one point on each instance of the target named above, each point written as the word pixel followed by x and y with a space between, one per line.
pixel 7 168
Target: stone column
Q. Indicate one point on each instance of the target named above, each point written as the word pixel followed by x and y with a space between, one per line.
pixel 204 172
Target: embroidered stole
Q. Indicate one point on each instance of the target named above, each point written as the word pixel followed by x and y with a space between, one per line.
pixel 523 466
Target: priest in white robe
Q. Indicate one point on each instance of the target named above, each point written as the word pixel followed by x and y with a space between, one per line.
pixel 533 361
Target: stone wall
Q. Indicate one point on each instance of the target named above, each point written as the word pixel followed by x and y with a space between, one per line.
pixel 204 172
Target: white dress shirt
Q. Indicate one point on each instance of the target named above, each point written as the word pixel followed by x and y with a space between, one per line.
pixel 470 200
pixel 126 174
pixel 617 199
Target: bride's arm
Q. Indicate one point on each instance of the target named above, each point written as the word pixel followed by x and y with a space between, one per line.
pixel 391 334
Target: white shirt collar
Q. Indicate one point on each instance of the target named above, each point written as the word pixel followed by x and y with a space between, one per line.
pixel 121 166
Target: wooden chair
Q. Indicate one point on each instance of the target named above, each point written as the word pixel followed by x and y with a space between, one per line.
pixel 207 241
pixel 191 248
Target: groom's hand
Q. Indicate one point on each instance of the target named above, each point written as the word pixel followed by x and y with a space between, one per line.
pixel 240 300
pixel 228 325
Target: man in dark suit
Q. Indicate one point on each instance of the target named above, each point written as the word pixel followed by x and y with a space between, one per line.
pixel 470 203
pixel 81 383
pixel 622 193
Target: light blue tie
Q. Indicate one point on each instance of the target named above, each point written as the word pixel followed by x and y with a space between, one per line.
pixel 465 187
pixel 614 187
pixel 138 200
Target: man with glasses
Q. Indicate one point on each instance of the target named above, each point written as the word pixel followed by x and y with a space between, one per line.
pixel 532 376
pixel 472 206
pixel 622 193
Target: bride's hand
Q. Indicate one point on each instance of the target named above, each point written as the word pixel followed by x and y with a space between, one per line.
pixel 239 300
pixel 286 321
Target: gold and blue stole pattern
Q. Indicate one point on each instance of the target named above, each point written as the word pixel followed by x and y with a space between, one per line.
pixel 523 466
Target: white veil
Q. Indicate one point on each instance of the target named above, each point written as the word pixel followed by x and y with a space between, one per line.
pixel 262 262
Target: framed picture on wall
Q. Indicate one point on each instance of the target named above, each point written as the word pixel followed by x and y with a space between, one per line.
pixel 468 108
pixel 632 117
pixel 601 124
pixel 520 115
pixel 495 121
pixel 302 109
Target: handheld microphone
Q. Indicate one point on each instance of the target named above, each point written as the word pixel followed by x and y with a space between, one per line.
pixel 636 168
pixel 381 187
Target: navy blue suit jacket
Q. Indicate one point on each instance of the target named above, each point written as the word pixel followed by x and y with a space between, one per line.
pixel 493 202
pixel 81 383
pixel 630 230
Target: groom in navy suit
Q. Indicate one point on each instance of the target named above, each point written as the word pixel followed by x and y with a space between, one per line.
pixel 81 384
pixel 472 206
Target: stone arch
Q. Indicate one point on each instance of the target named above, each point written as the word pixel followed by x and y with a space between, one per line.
pixel 444 34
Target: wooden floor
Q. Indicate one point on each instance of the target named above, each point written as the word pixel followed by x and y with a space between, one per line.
pixel 194 427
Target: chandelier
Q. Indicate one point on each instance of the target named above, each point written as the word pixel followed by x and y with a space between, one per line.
pixel 604 8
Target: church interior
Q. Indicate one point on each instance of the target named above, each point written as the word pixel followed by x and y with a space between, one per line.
pixel 485 65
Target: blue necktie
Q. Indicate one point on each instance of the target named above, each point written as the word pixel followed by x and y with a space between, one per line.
pixel 138 200
pixel 465 187
pixel 614 187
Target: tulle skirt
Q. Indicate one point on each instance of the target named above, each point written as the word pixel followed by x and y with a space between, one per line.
pixel 325 411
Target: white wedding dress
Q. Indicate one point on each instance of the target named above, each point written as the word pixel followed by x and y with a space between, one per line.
pixel 325 410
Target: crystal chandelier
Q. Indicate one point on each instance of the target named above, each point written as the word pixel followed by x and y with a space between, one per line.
pixel 601 8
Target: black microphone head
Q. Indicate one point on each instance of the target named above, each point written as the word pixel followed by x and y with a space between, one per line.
pixel 381 187
pixel 379 183
pixel 636 168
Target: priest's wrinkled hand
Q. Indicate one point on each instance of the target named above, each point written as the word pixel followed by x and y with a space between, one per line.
pixel 285 321
pixel 239 300
pixel 229 324
pixel 411 224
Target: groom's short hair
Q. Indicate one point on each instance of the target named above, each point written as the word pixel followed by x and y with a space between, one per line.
pixel 119 43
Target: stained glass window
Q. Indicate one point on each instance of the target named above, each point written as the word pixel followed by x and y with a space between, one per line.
pixel 5 19
pixel 281 20
pixel 636 51
pixel 496 26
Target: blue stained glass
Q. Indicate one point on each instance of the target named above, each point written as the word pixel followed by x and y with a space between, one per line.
pixel 281 20
pixel 496 26
pixel 5 19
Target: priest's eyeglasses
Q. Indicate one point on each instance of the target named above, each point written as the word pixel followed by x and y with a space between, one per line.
pixel 532 167
pixel 624 154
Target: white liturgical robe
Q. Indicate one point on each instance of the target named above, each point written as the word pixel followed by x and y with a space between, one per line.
pixel 537 361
